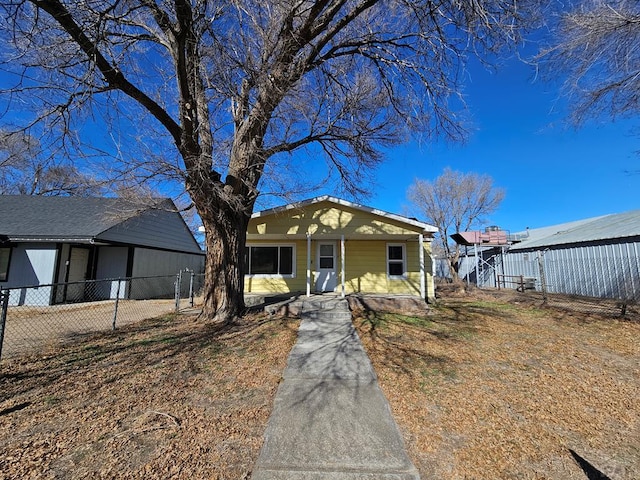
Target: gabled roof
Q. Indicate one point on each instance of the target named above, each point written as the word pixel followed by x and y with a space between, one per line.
pixel 26 218
pixel 607 227
pixel 345 203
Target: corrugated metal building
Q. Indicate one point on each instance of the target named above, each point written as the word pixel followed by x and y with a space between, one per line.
pixel 596 257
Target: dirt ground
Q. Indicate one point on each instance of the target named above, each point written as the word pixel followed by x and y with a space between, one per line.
pixel 486 386
pixel 29 329
pixel 164 398
pixel 494 386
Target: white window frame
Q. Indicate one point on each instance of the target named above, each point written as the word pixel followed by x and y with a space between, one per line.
pixel 404 261
pixel 273 275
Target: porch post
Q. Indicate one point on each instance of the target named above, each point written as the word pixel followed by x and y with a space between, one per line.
pixel 308 264
pixel 342 262
pixel 423 290
pixel 475 249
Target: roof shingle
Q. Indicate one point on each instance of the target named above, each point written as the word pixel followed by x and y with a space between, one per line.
pixel 25 216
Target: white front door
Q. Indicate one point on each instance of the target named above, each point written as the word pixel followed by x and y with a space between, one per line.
pixel 327 278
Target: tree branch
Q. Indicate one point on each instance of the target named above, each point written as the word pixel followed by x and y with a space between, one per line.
pixel 112 75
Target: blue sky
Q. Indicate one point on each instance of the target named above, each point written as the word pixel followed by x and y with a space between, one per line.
pixel 551 172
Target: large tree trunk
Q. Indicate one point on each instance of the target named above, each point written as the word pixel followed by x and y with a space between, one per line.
pixel 453 257
pixel 225 239
pixel 453 269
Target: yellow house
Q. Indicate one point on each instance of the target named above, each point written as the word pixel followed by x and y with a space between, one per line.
pixel 326 244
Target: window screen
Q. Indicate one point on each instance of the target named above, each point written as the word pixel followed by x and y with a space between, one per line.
pixel 286 261
pixel 269 260
pixel 326 256
pixel 396 260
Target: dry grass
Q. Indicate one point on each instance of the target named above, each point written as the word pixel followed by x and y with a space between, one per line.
pixel 165 398
pixel 485 388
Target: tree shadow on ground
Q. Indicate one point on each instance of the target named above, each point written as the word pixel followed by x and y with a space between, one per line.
pixel 402 349
pixel 409 342
pixel 589 470
pixel 133 347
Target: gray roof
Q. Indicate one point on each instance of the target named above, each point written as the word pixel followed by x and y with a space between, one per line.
pixel 607 227
pixel 91 219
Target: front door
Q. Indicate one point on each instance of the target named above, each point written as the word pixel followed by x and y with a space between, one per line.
pixel 326 280
pixel 78 264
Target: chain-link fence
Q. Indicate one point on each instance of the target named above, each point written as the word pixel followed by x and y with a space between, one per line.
pixel 611 307
pixel 587 279
pixel 33 317
pixel 601 279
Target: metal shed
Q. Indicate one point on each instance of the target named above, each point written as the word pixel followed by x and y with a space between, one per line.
pixel 596 257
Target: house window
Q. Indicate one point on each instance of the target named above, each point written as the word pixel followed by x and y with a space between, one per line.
pixel 396 260
pixel 326 256
pixel 269 260
pixel 5 256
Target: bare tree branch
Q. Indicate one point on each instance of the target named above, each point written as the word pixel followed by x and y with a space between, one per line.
pixel 596 47
pixel 454 202
pixel 207 97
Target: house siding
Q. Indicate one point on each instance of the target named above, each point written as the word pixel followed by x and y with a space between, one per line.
pixel 149 262
pixel 162 265
pixel 326 219
pixel 156 229
pixel 365 269
pixel 31 264
pixel 112 263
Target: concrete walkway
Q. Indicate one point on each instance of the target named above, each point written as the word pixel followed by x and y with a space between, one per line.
pixel 330 419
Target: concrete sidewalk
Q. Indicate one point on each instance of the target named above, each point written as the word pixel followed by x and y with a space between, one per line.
pixel 330 419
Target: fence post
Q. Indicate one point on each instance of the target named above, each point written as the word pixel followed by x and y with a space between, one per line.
pixel 115 307
pixel 543 280
pixel 4 305
pixel 191 293
pixel 177 291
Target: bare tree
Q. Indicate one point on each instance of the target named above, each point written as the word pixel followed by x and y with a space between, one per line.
pixel 596 46
pixel 454 202
pixel 217 94
pixel 26 170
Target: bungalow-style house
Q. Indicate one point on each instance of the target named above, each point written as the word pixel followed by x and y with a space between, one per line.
pixel 326 244
pixel 67 240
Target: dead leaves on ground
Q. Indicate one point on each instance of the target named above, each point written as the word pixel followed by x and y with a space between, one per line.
pixel 488 389
pixel 167 398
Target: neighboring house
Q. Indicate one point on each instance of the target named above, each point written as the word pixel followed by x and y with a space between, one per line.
pixel 326 244
pixel 597 257
pixel 53 240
